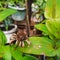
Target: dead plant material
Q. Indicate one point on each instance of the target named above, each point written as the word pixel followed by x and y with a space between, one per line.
pixel 20 38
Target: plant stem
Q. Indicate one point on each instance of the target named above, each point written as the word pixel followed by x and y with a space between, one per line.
pixel 27 19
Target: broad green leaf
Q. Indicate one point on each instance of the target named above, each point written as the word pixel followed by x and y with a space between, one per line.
pixel 2 42
pixel 42 27
pixel 16 53
pixel 29 57
pixel 52 28
pixel 57 9
pixel 1 51
pixel 6 53
pixel 5 13
pixel 40 46
pixel 57 23
pixel 2 38
pixel 52 9
pixel 51 36
pixel 48 9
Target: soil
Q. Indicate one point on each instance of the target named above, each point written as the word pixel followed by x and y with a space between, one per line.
pixel 9 28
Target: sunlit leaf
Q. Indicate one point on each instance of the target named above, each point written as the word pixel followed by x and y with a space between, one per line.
pixel 52 9
pixel 6 53
pixel 40 46
pixel 52 28
pixel 42 27
pixel 5 13
pixel 2 38
pixel 16 53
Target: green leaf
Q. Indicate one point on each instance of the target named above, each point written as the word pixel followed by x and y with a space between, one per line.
pixel 2 42
pixel 52 28
pixel 52 9
pixel 57 9
pixel 40 46
pixel 16 53
pixel 7 53
pixel 48 9
pixel 5 13
pixel 2 38
pixel 29 57
pixel 42 27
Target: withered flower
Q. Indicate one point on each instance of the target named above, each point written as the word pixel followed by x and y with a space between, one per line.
pixel 20 38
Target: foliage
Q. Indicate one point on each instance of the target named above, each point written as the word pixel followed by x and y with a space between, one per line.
pixel 7 23
pixel 38 7
pixel 52 25
pixel 7 52
pixel 41 4
pixel 20 3
pixel 3 5
pixel 49 43
pixel 17 3
pixel 2 38
pixel 10 52
pixel 5 13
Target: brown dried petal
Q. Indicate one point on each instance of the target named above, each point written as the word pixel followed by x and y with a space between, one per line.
pixel 28 42
pixel 17 42
pixel 22 44
pixel 12 41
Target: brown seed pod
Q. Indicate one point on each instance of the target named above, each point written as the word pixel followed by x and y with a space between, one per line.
pixel 20 38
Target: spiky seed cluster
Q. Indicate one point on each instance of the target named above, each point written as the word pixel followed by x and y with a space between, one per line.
pixel 19 38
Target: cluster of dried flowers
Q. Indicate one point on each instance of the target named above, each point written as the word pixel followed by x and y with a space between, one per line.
pixel 20 38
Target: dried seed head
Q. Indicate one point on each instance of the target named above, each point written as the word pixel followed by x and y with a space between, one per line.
pixel 20 37
pixel 28 42
pixel 16 42
pixel 22 44
pixel 13 37
pixel 12 42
